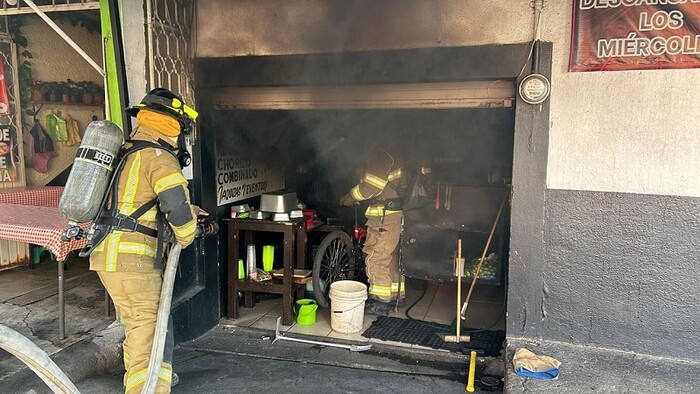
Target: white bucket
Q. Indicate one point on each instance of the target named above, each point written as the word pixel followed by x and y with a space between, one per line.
pixel 347 306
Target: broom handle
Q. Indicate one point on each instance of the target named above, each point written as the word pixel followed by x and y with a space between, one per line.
pixel 459 287
pixel 483 255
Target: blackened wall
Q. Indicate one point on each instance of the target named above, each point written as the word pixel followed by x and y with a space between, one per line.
pixel 620 270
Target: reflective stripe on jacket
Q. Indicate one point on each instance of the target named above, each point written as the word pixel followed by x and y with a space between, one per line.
pixel 380 169
pixel 147 174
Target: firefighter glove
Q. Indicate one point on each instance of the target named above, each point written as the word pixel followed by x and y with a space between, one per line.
pixel 347 200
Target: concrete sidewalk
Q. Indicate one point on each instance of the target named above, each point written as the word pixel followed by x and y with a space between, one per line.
pixel 29 305
pixel 586 369
pixel 243 360
pixel 232 359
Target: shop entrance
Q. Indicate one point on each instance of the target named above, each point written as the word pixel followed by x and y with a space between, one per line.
pixel 469 151
pixel 470 146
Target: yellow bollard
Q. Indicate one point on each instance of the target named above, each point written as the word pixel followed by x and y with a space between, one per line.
pixel 472 371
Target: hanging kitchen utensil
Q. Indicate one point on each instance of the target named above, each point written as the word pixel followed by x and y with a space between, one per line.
pixel 448 196
pixel 437 198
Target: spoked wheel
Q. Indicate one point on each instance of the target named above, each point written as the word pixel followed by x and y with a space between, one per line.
pixel 334 261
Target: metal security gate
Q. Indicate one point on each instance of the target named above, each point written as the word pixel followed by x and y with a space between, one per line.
pixel 170 27
pixel 12 253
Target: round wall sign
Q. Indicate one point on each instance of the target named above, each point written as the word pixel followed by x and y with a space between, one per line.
pixel 534 89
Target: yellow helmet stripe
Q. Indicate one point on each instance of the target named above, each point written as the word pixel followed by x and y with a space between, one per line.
pixel 190 112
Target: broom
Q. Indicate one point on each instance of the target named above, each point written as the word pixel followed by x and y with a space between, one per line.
pixel 463 313
pixel 459 263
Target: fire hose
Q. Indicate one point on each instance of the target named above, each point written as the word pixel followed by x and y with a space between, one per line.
pixel 166 298
pixel 36 359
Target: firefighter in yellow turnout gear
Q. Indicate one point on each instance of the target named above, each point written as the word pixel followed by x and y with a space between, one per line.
pixel 126 261
pixel 381 176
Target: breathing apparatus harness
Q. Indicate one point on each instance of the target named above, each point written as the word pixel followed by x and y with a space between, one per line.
pixel 109 218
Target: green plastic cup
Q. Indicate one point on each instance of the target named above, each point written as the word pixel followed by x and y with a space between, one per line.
pixel 241 270
pixel 268 257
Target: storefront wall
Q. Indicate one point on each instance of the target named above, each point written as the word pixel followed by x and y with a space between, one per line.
pixel 53 60
pixel 610 260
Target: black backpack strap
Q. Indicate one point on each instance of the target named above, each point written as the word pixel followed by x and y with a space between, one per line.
pixel 144 208
pixel 130 223
pixel 160 224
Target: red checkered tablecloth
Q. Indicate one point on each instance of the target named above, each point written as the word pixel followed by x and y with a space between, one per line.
pixel 42 196
pixel 38 225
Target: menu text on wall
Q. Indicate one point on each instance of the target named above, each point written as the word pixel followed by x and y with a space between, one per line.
pixel 242 177
pixel 635 34
pixel 8 168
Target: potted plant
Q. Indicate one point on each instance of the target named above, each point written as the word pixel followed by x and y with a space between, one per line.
pixel 98 94
pixel 85 87
pixel 49 89
pixel 37 93
pixel 75 93
pixel 64 90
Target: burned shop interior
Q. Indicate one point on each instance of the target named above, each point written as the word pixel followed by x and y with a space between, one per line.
pixel 320 149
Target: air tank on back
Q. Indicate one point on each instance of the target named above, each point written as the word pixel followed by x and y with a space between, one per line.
pixel 92 171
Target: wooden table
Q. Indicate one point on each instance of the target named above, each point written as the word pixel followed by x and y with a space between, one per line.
pixel 294 249
pixel 41 226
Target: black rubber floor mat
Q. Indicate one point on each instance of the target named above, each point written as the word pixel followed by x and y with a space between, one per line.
pixel 428 334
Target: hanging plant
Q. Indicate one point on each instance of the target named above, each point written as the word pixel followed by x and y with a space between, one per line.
pixel 26 82
pixel 89 20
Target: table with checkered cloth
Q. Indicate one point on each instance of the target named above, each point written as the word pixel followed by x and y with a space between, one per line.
pixel 42 196
pixel 38 225
pixel 42 226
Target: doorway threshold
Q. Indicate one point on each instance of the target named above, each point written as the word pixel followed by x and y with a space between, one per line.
pixel 429 303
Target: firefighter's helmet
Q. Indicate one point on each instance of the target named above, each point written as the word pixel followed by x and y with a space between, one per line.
pixel 168 103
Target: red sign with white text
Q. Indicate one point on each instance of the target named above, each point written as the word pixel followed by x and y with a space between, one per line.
pixel 4 103
pixel 635 34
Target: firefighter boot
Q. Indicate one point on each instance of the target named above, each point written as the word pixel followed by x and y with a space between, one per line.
pixel 377 308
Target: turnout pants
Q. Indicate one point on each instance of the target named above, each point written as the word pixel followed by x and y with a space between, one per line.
pixel 381 248
pixel 136 296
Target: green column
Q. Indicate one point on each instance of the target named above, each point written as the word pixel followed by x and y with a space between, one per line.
pixel 115 80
